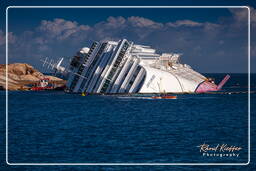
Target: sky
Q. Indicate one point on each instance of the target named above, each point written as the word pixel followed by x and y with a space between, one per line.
pixel 212 40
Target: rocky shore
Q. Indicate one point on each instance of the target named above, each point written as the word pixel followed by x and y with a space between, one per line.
pixel 21 75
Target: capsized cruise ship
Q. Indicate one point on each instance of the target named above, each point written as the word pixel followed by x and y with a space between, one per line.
pixel 124 67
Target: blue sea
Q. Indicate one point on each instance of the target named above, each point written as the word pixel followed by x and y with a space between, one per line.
pixel 57 127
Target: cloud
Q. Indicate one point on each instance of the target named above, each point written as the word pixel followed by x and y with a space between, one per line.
pixel 187 23
pixel 114 22
pixel 143 22
pixel 2 38
pixel 60 28
pixel 240 16
pixel 12 38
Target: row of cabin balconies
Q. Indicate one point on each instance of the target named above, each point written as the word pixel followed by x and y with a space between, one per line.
pixel 90 72
pixel 114 67
pixel 82 66
pixel 108 69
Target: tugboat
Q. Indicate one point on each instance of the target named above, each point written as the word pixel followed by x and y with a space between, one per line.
pixel 43 84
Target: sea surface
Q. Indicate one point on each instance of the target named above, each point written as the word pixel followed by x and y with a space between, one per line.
pixel 57 127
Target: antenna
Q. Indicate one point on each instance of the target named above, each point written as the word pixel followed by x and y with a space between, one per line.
pixel 45 61
pixel 49 63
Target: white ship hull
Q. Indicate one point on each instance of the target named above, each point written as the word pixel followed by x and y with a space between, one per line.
pixel 164 81
pixel 124 67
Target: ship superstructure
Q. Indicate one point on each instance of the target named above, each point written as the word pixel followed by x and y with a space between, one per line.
pixel 124 67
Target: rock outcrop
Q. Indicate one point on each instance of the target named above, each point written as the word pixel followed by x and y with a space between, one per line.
pixel 20 75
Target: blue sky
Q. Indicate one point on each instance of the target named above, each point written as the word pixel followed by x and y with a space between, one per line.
pixel 32 17
pixel 211 40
